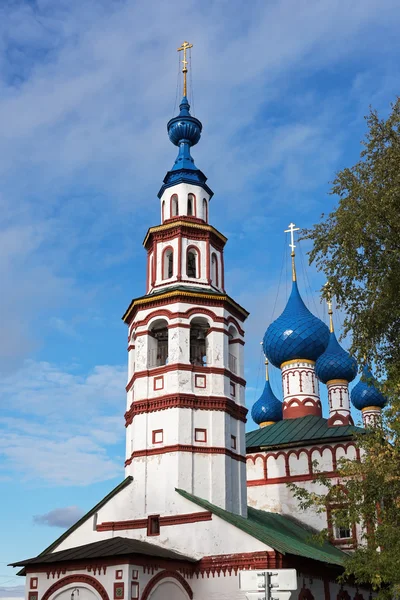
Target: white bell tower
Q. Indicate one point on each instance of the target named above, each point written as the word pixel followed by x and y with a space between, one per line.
pixel 185 419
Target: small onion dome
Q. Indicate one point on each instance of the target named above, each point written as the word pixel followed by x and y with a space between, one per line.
pixel 267 408
pixel 184 127
pixel 335 363
pixel 296 333
pixel 365 394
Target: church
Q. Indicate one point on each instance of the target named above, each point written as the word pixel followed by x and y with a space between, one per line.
pixel 201 499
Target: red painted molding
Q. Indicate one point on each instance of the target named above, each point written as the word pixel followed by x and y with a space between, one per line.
pixel 178 297
pixel 296 407
pixel 200 433
pixel 94 583
pixel 228 563
pixel 216 403
pixel 184 367
pixel 305 594
pixel 289 479
pixel 336 416
pixel 164 522
pixel 327 592
pixel 119 595
pixel 237 341
pixel 166 575
pixel 185 448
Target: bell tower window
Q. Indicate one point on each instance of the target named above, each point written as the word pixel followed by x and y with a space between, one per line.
pixel 158 344
pixel 174 206
pixel 193 266
pixel 168 263
pixel 214 269
pixel 191 205
pixel 198 341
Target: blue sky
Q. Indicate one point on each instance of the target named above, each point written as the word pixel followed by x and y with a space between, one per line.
pixel 86 89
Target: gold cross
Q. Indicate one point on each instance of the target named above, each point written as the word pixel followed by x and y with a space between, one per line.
pixel 291 230
pixel 185 46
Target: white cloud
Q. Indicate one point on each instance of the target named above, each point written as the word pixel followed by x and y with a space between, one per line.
pixel 60 517
pixel 16 592
pixel 60 427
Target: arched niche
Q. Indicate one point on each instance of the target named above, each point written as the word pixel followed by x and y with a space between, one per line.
pixel 158 343
pixel 199 327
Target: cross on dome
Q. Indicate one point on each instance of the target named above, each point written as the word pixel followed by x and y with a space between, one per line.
pixel 185 46
pixel 330 309
pixel 292 228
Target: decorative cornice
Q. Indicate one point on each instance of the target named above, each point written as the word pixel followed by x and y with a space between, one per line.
pixel 172 223
pixel 185 448
pixel 215 403
pixel 337 382
pixel 182 295
pixel 297 361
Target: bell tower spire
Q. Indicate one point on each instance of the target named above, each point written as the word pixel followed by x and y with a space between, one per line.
pixel 186 414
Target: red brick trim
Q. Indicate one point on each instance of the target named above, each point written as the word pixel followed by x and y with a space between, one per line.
pixel 289 479
pixel 119 585
pixel 184 367
pixel 185 448
pixel 165 312
pixel 296 407
pixel 200 433
pixel 305 594
pixel 154 435
pixel 200 381
pixel 217 403
pixel 177 296
pixel 33 583
pixel 94 583
pixel 158 380
pixel 166 575
pixel 153 520
pixel 164 522
pixel 119 574
pixel 228 563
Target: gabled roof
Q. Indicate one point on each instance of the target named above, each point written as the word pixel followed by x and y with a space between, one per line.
pixel 277 531
pixel 106 548
pixel 87 516
pixel 301 431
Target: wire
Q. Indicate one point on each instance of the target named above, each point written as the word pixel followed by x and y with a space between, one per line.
pixel 177 87
pixel 280 279
pixel 308 280
pixel 191 82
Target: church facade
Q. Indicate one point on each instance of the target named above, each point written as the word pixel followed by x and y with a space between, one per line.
pixel 201 500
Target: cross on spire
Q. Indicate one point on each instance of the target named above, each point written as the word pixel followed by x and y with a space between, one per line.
pixel 291 229
pixel 329 303
pixel 185 46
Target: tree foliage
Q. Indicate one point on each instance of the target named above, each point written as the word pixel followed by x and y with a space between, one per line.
pixel 357 246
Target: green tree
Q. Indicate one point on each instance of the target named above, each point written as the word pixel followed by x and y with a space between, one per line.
pixel 357 246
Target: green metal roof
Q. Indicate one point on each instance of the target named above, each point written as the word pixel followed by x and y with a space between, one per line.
pixel 298 431
pixel 277 531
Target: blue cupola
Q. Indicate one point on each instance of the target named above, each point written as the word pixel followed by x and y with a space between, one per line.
pixel 267 409
pixel 365 394
pixel 297 333
pixel 184 131
pixel 335 362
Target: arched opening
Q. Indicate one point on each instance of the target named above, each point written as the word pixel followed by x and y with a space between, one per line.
pixel 199 327
pixel 163 211
pixel 214 269
pixel 205 210
pixel 193 263
pixel 174 206
pixel 168 263
pixel 233 357
pixel 158 343
pixel 191 205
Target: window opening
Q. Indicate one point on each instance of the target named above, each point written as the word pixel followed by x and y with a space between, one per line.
pixel 153 525
pixel 191 268
pixel 168 266
pixel 205 210
pixel 198 342
pixel 190 205
pixel 342 532
pixel 174 206
pixel 158 344
pixel 214 269
pixel 233 350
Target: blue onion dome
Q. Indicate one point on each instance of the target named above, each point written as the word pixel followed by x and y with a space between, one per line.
pixel 267 408
pixel 335 363
pixel 184 127
pixel 365 394
pixel 297 333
